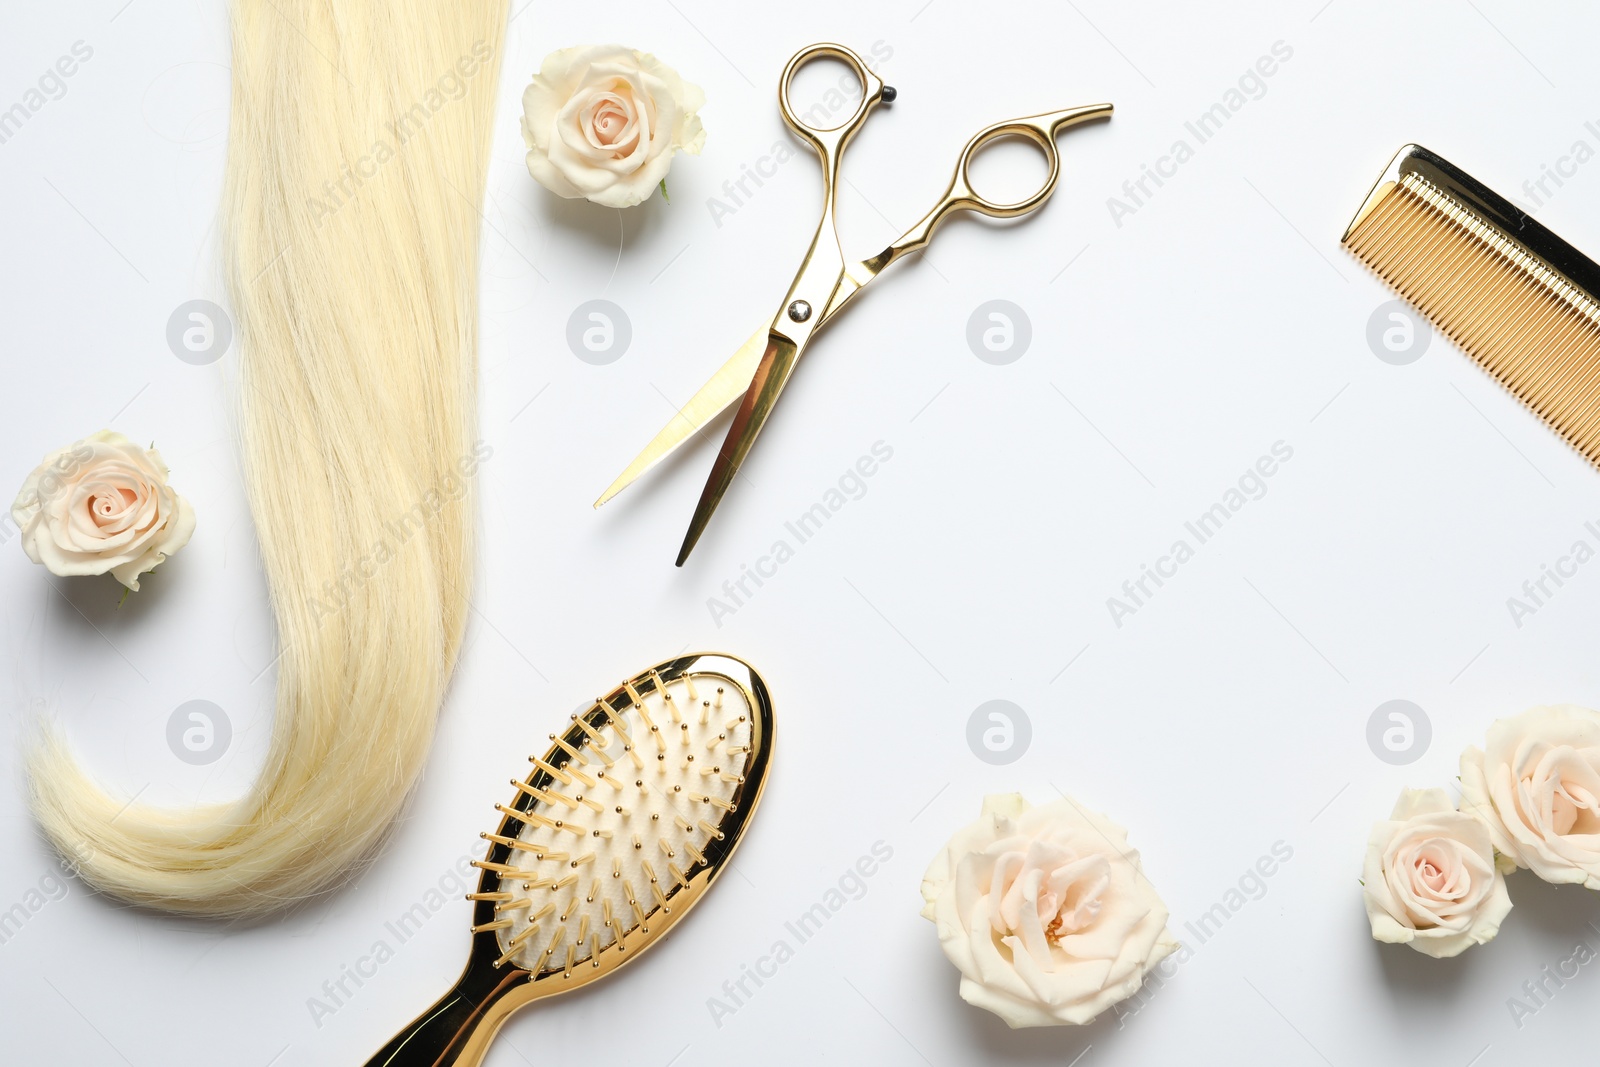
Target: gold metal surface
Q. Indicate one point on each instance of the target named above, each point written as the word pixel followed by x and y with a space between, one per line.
pixel 771 375
pixel 826 281
pixel 498 979
pixel 1519 300
pixel 713 398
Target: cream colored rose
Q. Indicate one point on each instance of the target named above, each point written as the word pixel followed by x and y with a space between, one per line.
pixel 1536 783
pixel 603 122
pixel 1045 911
pixel 1430 879
pixel 102 504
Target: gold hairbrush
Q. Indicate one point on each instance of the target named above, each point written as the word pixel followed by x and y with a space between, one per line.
pixel 1519 299
pixel 619 830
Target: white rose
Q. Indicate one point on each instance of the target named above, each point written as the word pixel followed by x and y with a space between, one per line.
pixel 1045 911
pixel 1536 783
pixel 102 504
pixel 1430 879
pixel 603 122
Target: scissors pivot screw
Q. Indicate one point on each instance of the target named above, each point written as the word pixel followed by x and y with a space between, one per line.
pixel 800 310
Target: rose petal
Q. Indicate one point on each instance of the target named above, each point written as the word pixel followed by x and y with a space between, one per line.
pixel 1430 878
pixel 1045 912
pixel 99 505
pixel 604 122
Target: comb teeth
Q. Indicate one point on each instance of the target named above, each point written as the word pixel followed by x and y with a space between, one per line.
pixel 1445 244
pixel 578 885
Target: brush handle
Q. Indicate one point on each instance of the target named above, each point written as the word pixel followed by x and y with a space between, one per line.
pixel 456 1031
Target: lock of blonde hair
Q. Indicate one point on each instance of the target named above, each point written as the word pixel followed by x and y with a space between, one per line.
pixel 357 156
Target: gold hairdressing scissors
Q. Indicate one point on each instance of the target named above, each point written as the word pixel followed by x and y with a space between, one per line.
pixel 761 367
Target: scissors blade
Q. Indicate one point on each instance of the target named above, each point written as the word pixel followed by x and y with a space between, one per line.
pixel 777 363
pixel 724 387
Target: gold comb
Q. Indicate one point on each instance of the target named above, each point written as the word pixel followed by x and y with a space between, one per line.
pixel 621 828
pixel 1517 298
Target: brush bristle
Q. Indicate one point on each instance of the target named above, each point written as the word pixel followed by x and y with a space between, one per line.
pixel 1521 320
pixel 649 781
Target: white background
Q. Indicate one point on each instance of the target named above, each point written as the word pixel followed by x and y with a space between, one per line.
pixel 1167 354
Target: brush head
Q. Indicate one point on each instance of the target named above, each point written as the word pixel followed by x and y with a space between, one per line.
pixel 1517 298
pixel 624 821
